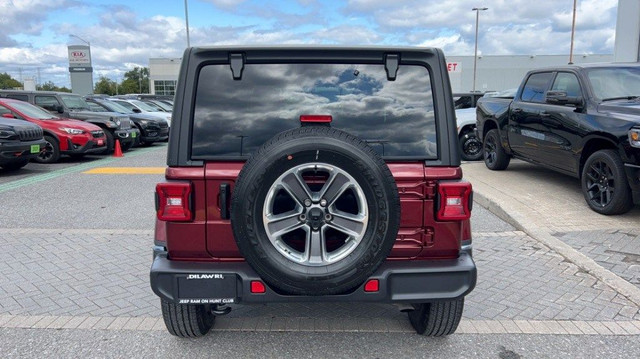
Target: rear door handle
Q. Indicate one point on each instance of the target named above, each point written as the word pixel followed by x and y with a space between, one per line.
pixel 544 114
pixel 224 200
pixel 517 110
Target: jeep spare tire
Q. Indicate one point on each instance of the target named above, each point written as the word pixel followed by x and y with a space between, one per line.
pixel 315 211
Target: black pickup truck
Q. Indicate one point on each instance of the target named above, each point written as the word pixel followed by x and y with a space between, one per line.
pixel 580 120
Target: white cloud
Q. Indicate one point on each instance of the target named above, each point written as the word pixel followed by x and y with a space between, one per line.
pixel 121 38
pixel 226 4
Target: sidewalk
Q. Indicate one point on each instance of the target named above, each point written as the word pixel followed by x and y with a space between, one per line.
pixel 550 208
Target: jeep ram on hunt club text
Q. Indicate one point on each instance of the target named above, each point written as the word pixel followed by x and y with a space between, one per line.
pixel 583 121
pixel 313 174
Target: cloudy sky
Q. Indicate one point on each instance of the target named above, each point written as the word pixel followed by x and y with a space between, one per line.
pixel 125 33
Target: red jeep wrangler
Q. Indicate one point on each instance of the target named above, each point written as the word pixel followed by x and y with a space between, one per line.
pixel 313 174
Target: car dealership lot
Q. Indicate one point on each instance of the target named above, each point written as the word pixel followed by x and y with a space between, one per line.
pixel 77 260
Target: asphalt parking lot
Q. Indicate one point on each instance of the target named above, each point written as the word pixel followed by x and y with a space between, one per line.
pixel 77 238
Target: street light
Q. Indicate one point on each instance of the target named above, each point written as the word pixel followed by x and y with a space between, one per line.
pixel 573 31
pixel 475 53
pixel 186 18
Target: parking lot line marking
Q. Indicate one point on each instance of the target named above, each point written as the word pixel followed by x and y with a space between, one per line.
pixel 73 169
pixel 126 171
pixel 467 326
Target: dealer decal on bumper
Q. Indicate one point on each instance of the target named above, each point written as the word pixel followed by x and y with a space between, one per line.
pixel 207 288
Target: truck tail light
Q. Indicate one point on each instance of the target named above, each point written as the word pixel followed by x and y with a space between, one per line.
pixel 454 201
pixel 173 201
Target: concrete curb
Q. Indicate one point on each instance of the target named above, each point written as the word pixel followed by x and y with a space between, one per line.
pixel 514 215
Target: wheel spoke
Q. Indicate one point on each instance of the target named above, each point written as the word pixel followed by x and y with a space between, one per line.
pixel 592 186
pixel 349 224
pixel 315 248
pixel 334 187
pixel 283 223
pixel 296 187
pixel 608 193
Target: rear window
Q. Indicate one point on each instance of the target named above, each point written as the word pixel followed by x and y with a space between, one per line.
pixel 232 118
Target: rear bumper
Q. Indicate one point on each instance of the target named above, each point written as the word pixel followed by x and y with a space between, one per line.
pixel 399 282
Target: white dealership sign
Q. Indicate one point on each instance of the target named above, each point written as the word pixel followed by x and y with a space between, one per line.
pixel 79 56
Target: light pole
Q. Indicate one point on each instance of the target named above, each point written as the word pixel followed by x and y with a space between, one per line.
pixel 573 31
pixel 186 18
pixel 475 52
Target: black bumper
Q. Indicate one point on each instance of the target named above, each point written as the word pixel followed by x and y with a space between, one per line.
pixel 633 177
pixel 399 282
pixel 154 134
pixel 89 147
pixel 12 151
pixel 126 136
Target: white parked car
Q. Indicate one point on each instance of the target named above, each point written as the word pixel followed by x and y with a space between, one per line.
pixel 470 146
pixel 141 107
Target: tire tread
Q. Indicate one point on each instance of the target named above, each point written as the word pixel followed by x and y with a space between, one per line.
pixel 186 321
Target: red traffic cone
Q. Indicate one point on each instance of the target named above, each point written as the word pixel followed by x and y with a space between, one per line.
pixel 117 151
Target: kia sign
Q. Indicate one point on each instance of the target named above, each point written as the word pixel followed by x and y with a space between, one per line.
pixel 80 69
pixel 79 55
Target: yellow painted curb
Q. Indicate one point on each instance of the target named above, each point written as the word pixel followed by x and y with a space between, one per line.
pixel 126 171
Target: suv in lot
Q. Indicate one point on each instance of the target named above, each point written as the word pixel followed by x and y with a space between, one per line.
pixel 61 136
pixel 68 105
pixel 19 141
pixel 313 174
pixel 151 128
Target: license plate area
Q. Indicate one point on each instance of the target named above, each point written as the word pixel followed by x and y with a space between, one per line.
pixel 35 148
pixel 209 288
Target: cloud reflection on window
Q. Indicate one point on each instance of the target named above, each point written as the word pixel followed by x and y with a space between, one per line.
pixel 234 117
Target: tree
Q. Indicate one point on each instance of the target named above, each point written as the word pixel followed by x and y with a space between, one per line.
pixel 136 81
pixel 105 86
pixel 50 86
pixel 8 82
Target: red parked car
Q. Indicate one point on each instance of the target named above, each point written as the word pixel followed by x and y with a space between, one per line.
pixel 62 136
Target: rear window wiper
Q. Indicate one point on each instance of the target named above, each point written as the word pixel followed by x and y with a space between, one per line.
pixel 621 98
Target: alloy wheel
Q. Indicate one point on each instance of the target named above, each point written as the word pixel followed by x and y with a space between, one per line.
pixel 315 214
pixel 600 183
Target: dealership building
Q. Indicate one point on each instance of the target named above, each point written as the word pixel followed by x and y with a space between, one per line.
pixel 494 73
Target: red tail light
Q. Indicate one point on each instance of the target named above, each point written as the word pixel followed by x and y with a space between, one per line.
pixel 454 201
pixel 316 118
pixel 173 201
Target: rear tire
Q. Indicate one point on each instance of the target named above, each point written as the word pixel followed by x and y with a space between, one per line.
pixel 126 146
pixel 495 158
pixel 187 320
pixel 438 318
pixel 110 142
